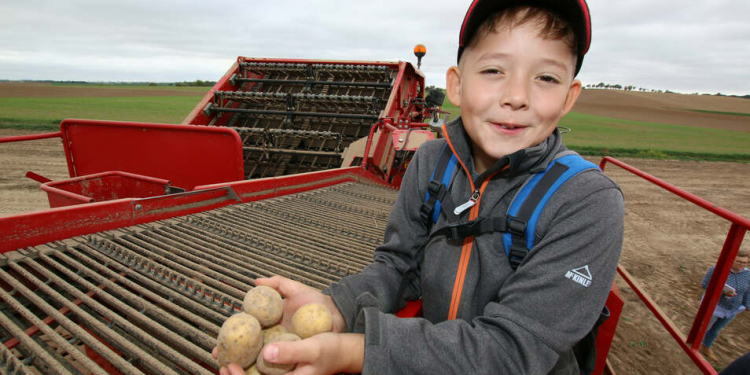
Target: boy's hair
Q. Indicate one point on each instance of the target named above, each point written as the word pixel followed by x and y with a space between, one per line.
pixel 743 254
pixel 556 19
pixel 550 24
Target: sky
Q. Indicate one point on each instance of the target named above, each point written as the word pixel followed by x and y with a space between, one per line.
pixel 679 45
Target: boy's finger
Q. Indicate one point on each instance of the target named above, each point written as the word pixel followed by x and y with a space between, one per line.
pixel 235 369
pixel 284 286
pixel 289 352
pixel 277 282
pixel 215 352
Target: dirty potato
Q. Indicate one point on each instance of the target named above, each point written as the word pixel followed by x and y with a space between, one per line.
pixel 311 319
pixel 253 370
pixel 266 368
pixel 265 304
pixel 273 332
pixel 239 340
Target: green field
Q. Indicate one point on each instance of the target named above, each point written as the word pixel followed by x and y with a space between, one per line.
pixel 162 87
pixel 590 135
pixel 598 135
pixel 46 113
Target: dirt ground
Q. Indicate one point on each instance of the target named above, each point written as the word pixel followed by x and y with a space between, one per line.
pixel 667 108
pixel 669 243
pixel 46 90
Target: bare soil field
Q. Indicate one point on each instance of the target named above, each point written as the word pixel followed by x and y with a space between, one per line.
pixel 669 243
pixel 47 90
pixel 667 108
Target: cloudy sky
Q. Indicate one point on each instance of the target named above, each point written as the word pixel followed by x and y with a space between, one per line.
pixel 679 45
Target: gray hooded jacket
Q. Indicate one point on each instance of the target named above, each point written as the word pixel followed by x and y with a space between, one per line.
pixel 507 322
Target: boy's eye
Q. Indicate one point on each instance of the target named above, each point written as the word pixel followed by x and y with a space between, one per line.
pixel 549 79
pixel 491 71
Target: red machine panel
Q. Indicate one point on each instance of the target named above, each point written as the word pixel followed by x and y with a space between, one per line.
pixel 103 187
pixel 185 155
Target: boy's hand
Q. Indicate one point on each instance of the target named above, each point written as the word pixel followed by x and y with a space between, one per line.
pixel 232 369
pixel 730 294
pixel 323 354
pixel 297 294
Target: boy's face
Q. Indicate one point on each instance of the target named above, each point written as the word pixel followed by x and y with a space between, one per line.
pixel 513 86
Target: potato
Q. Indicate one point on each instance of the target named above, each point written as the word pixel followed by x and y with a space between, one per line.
pixel 253 370
pixel 273 332
pixel 311 319
pixel 272 368
pixel 285 337
pixel 265 304
pixel 239 340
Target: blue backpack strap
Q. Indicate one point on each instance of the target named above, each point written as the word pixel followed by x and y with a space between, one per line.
pixel 528 204
pixel 437 196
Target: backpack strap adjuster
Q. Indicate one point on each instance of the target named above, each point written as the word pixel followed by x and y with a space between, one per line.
pixel 516 255
pixel 516 227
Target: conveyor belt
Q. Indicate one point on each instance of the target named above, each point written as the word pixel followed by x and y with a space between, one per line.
pixel 151 298
pixel 342 98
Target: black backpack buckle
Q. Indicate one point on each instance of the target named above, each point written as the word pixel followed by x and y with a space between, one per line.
pixel 461 230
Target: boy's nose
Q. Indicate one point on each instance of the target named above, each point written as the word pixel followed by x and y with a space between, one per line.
pixel 515 94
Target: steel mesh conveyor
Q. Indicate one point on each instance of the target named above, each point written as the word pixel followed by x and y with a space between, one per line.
pixel 304 99
pixel 151 298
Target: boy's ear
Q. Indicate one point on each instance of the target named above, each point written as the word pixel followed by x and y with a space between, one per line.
pixel 573 92
pixel 453 85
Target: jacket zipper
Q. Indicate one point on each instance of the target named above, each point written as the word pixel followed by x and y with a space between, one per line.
pixel 472 203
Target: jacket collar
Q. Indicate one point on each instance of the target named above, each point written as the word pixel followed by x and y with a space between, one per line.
pixel 529 160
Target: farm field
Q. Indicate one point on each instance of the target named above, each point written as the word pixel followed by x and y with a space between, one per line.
pixel 43 105
pixel 669 243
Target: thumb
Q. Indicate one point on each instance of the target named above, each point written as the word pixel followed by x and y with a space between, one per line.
pixel 284 286
pixel 288 352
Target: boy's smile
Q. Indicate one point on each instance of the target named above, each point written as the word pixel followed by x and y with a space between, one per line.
pixel 513 87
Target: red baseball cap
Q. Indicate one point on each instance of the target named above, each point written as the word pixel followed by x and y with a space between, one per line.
pixel 576 12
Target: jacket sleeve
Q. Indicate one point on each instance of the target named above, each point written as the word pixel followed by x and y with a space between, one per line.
pixel 707 278
pixel 540 311
pixel 393 277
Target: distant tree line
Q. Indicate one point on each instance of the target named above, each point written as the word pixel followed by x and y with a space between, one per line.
pixel 616 86
pixel 196 83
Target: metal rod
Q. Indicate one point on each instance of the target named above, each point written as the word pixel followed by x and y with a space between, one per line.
pixel 146 338
pixel 294 113
pixel 157 271
pixel 196 309
pixel 128 246
pixel 108 354
pixel 716 285
pixel 23 138
pixel 304 82
pixel 667 323
pixel 54 336
pixel 290 132
pixel 726 214
pixel 293 152
pixel 134 302
pixel 11 364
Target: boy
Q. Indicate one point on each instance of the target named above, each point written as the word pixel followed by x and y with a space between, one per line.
pixel 514 81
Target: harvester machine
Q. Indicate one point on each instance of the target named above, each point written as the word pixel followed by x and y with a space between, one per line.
pixel 297 116
pixel 286 167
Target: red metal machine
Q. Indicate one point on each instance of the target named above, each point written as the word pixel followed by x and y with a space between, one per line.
pixel 285 167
